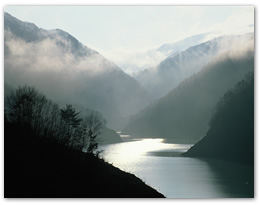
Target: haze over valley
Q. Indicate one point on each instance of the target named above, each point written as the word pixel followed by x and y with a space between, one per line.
pixel 67 71
pixel 172 103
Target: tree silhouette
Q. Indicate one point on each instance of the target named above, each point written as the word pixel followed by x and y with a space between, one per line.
pixel 71 121
pixel 94 123
pixel 25 107
pixel 32 111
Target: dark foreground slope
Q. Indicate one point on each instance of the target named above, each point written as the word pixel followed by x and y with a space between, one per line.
pixel 231 134
pixel 40 168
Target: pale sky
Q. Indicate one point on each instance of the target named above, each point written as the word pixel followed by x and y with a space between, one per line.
pixel 112 30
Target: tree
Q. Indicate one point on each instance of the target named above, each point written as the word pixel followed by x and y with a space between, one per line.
pixel 84 137
pixel 55 122
pixel 94 123
pixel 31 110
pixel 71 121
pixel 25 106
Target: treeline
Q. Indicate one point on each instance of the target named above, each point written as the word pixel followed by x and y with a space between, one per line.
pixel 234 96
pixel 231 132
pixel 51 151
pixel 182 116
pixel 32 112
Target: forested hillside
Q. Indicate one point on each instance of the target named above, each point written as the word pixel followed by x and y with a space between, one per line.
pixel 231 132
pixel 182 116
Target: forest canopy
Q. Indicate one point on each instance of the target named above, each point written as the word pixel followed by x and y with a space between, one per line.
pixel 32 111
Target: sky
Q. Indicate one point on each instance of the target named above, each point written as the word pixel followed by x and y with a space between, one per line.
pixel 134 27
pixel 124 34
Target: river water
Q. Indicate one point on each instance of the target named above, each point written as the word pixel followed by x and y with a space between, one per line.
pixel 160 166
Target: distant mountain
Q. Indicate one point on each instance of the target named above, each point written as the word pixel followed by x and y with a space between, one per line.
pixel 182 116
pixel 231 133
pixel 172 48
pixel 184 63
pixel 67 71
pixel 134 62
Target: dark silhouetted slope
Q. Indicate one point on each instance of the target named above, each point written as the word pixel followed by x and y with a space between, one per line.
pixel 41 168
pixel 231 132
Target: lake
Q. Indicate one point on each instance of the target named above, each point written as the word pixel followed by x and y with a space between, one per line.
pixel 160 166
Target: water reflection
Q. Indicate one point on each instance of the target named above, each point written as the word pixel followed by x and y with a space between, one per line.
pixel 179 177
pixel 235 180
pixel 132 153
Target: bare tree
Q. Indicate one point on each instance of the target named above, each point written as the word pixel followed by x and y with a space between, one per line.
pixel 94 123
pixel 31 109
pixel 25 106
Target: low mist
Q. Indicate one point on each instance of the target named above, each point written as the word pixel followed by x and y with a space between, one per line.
pixel 181 65
pixel 68 72
pixel 182 116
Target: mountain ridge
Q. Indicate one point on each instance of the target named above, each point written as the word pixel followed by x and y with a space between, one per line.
pixel 67 71
pixel 182 115
pixel 183 64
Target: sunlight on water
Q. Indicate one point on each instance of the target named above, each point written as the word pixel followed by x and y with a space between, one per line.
pixel 129 153
pixel 178 177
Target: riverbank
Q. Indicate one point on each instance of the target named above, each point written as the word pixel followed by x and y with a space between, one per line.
pixel 158 164
pixel 45 169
